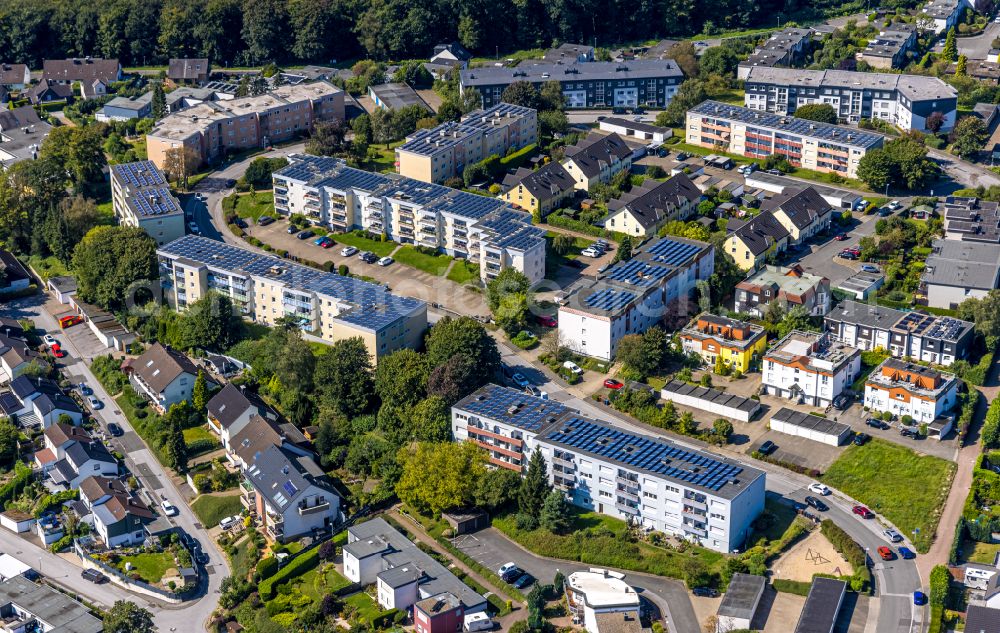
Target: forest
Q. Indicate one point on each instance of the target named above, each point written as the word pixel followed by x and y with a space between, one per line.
pixel 254 32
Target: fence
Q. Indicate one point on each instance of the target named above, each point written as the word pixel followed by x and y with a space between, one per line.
pixel 135 586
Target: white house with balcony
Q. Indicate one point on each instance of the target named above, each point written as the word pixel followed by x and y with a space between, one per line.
pixel 903 388
pixel 163 375
pixel 808 368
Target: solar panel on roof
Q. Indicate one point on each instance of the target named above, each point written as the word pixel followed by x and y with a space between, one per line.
pixel 290 488
pixel 609 299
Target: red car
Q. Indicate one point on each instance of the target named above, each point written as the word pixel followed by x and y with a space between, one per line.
pixel 546 320
pixel 57 351
pixel 863 512
pixel 611 383
pixel 840 237
pixel 885 553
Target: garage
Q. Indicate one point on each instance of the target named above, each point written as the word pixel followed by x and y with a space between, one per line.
pixel 810 427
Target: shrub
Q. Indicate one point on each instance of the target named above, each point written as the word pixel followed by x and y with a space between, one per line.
pixel 298 566
pixel 267 567
pixel 853 553
pixel 940 580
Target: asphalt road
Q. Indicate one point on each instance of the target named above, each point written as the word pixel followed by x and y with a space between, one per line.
pixel 156 481
pixel 978 46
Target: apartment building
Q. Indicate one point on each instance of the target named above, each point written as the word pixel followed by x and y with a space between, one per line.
pixel 597 159
pixel 940 15
pixel 970 219
pixel 959 270
pixel 208 131
pixel 504 422
pixel 657 283
pixel 141 198
pixel 651 82
pixel 29 606
pixel 789 287
pixel 22 133
pixel 266 288
pixel 739 343
pixel 483 230
pixel 903 388
pixel 925 337
pixel 539 191
pixel 443 152
pixel 809 368
pixel 755 134
pixel 890 48
pixel 645 208
pixel 784 48
pixel 903 100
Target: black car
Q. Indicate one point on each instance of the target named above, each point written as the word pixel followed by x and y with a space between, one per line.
pixel 767 448
pixel 875 423
pixel 681 156
pixel 240 222
pixel 291 229
pixel 705 592
pixel 638 110
pixel 512 574
pixel 368 257
pixel 908 432
pixel 93 576
pixel 264 220
pixel 201 558
pixel 861 439
pixel 662 152
pixel 115 430
pixel 617 110
pixel 523 581
pixel 813 502
pixel 841 402
pixel 305 235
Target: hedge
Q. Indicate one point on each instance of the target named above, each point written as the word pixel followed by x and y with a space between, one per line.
pixel 518 158
pixel 939 582
pixel 299 565
pixel 267 567
pixel 796 587
pixel 853 553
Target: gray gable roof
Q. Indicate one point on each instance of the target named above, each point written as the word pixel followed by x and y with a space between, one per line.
pixel 595 152
pixel 803 208
pixel 231 403
pixel 82 452
pixel 159 366
pixel 980 619
pixel 543 183
pixel 652 203
pixel 282 478
pixel 760 233
pixel 60 612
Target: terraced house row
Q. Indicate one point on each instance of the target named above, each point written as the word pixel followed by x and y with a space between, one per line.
pixel 483 230
pixel 747 132
pixel 267 289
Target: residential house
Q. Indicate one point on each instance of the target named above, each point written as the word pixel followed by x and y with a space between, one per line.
pixel 938 16
pixel 141 197
pixel 982 619
pixel 969 219
pixel 890 48
pixel 189 71
pixel 452 54
pixel 809 368
pixel 261 433
pixel 83 459
pixel 22 133
pixel 750 243
pixel 42 402
pixel 567 53
pixel 89 72
pixel 906 389
pixel 50 91
pixel 959 270
pixel 783 48
pixel 14 76
pixel 803 213
pixel 117 516
pixel 441 613
pixel 539 191
pixel 163 375
pixel 231 409
pixel 125 108
pixel 14 277
pixel 57 438
pixel 27 606
pixel 289 495
pixel 788 287
pixel 600 592
pixel 925 337
pixel 11 327
pixel 16 357
pixel 657 284
pixel 645 208
pixel 597 159
pixel 739 344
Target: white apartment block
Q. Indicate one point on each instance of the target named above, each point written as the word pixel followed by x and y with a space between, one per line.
pixel 266 288
pixel 632 296
pixel 661 485
pixel 483 230
pixel 902 388
pixel 903 100
pixel 806 367
pixel 940 15
pixel 141 197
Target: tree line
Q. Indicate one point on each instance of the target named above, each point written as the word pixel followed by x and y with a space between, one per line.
pixel 250 32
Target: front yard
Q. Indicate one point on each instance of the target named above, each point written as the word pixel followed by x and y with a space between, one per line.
pixel 251 205
pixel 364 244
pixel 435 264
pixel 212 508
pixel 907 488
pixel 463 272
pixel 151 567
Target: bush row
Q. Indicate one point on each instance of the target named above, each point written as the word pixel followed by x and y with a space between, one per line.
pixel 302 563
pixel 853 553
pixel 13 488
pixel 796 468
pixel 797 587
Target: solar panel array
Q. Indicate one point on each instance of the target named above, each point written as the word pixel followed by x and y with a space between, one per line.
pixel 153 202
pixel 511 229
pixel 915 322
pixel 644 453
pixel 947 328
pixel 671 252
pixel 638 272
pixel 139 174
pixel 466 205
pixel 609 299
pixel 290 488
pixel 514 407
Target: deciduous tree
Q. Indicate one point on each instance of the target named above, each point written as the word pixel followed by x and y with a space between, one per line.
pixel 344 377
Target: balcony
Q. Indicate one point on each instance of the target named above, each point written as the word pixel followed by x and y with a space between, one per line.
pixel 627 508
pixel 563 484
pixel 631 496
pixel 513 441
pixel 280 191
pixel 696 504
pixel 627 481
pixel 289 300
pixel 697 531
pixel 305 510
pixel 693 516
pixel 565 463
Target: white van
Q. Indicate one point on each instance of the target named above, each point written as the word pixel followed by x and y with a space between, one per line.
pixel 477 622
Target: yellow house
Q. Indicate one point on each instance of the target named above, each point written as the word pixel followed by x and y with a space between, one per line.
pixel 750 244
pixel 711 337
pixel 597 159
pixel 540 191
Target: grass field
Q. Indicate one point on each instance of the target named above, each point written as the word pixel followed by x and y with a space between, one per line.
pixel 363 243
pixel 150 566
pixel 431 264
pixel 198 433
pixel 212 508
pixel 381 159
pixel 982 553
pixel 367 608
pixel 463 272
pixel 47 267
pixel 906 488
pixel 262 203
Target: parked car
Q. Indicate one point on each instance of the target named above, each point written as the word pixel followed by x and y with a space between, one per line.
pixel 590 251
pixel 115 430
pixel 368 257
pixel 169 509
pixel 868 268
pixel 291 229
pixel 895 204
pixel 385 261
pixel 523 581
pixel 347 251
pixel 638 110
pixel 842 402
pixel 885 553
pixel 94 403
pixel 863 512
pixel 682 156
pixel 201 558
pixel 94 576
pixel 50 340
pixel 617 110
pixel 907 431
pixel 264 220
pixel 84 389
pixel 813 502
pixel 892 535
pixel 228 522
pixel 546 320
pixel 848 255
pixel 840 237
pixel 240 222
pixel 230 183
pixel 520 380
pixel 305 235
pixel 875 423
pixel 324 242
pixel 775 172
pixel 705 592
pixel 70 321
pixel 193 227
pixel 507 570
pixel 767 448
pixel 884 212
pixel 611 383
pixel 818 488
pixel 906 553
pixel 573 367
pixel 861 439
pixel 662 152
pixel 57 351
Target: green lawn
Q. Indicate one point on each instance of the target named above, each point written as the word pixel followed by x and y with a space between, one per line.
pixel 106 211
pixel 381 159
pixel 262 203
pixel 982 553
pixel 200 440
pixel 150 566
pixel 212 508
pixel 431 264
pixel 363 243
pixel 198 433
pixel 463 272
pixel 907 488
pixel 47 267
pixel 367 608
pixel 241 559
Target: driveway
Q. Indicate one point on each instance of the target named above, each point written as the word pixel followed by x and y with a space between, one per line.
pixel 141 462
pixel 491 549
pixel 977 46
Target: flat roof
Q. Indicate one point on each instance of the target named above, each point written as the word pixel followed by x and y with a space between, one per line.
pixel 513 407
pixel 810 422
pixel 579 71
pixel 396 95
pixel 839 134
pixel 819 614
pixel 710 396
pixel 642 126
pixel 742 596
pixel 963 264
